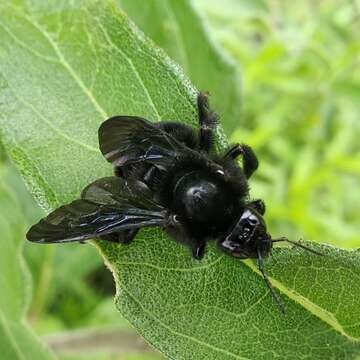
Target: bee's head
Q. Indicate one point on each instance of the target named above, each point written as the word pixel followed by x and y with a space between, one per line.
pixel 248 238
pixel 249 233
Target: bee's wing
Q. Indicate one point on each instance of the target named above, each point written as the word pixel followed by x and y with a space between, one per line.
pixel 129 139
pixel 108 205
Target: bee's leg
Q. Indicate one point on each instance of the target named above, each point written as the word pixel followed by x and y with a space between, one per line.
pixel 208 122
pixel 119 171
pixel 250 161
pixel 121 237
pixel 258 205
pixel 180 132
pixel 124 171
pixel 198 251
pixel 180 234
pixel 110 237
pixel 268 283
pixel 127 236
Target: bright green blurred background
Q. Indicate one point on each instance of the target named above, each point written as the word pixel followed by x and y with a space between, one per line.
pixel 301 104
pixel 300 111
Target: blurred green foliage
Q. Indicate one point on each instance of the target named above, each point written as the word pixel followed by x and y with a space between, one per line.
pixel 301 104
pixel 16 338
pixel 300 108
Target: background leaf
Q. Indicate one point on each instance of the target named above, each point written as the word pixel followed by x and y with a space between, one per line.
pixel 178 28
pixel 221 309
pixel 17 340
pixel 303 126
pixel 64 68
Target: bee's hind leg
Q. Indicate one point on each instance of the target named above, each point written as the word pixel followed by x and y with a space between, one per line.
pixel 208 120
pixel 121 237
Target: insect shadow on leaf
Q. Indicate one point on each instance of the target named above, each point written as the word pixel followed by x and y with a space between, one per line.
pixel 168 175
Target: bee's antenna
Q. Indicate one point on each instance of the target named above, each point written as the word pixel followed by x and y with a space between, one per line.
pixel 268 283
pixel 298 244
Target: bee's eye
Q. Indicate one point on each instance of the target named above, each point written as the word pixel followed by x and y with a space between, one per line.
pixel 175 218
pixel 253 221
pixel 220 172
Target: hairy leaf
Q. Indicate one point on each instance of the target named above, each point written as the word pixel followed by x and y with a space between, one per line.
pixel 64 68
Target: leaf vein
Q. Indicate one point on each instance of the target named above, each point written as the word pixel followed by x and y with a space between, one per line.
pixel 23 45
pixel 133 67
pixel 202 267
pixel 47 122
pixel 310 306
pixel 69 68
pixel 191 338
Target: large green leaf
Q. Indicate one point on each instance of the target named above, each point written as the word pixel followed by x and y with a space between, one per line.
pixel 64 68
pixel 17 341
pixel 179 29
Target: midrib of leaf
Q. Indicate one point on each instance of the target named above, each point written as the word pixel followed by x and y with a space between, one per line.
pixel 306 303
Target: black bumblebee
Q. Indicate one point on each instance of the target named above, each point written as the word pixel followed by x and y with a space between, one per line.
pixel 168 175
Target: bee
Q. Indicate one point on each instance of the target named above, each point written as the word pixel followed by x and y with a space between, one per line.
pixel 168 175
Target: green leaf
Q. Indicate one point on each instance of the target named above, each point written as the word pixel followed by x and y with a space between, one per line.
pixel 179 29
pixel 60 78
pixel 17 341
pixel 64 68
pixel 221 309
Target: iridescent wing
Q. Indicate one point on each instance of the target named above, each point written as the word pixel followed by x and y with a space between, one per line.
pixel 106 206
pixel 129 139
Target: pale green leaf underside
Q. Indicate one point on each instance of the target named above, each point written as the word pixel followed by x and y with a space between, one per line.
pixel 64 68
